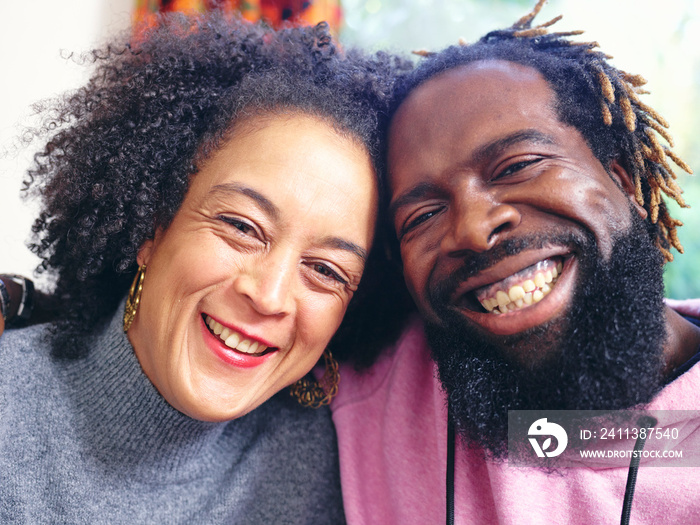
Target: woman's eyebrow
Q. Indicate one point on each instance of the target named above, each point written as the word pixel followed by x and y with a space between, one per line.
pixel 235 188
pixel 343 244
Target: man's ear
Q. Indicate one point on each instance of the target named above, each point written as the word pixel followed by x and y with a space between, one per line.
pixel 624 180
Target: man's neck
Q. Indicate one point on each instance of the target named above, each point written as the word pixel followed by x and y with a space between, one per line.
pixel 682 343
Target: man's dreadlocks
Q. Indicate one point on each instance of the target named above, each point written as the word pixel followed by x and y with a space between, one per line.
pixel 599 100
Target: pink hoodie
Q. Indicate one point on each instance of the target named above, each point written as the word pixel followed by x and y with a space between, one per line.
pixel 392 433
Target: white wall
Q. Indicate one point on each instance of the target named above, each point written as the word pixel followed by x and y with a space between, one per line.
pixel 34 36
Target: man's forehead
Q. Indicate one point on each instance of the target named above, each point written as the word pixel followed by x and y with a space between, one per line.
pixel 479 102
pixel 492 65
pixel 461 83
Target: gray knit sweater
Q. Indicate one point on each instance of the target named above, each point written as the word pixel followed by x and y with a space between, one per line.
pixel 86 438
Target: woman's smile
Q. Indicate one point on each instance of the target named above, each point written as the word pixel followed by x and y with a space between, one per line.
pixel 237 340
pixel 236 350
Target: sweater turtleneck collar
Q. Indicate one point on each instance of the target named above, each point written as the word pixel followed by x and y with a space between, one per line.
pixel 127 424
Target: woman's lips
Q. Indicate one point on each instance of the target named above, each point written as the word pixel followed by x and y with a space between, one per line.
pixel 245 353
pixel 235 340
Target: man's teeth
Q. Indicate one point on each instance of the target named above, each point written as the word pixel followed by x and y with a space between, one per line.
pixel 523 294
pixel 234 339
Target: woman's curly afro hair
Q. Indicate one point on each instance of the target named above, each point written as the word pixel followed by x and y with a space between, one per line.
pixel 122 149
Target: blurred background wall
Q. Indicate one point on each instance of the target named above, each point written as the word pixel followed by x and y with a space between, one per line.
pixel 36 41
pixel 661 43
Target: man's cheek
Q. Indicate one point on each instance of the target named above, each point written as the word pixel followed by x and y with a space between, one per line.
pixel 415 282
pixel 599 205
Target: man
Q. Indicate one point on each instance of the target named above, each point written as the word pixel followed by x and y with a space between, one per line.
pixel 525 180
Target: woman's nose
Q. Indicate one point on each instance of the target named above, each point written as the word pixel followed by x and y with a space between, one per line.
pixel 267 284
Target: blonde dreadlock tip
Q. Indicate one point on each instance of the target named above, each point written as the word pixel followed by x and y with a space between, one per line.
pixel 551 22
pixel 667 255
pixel 675 241
pixel 679 161
pixel 635 80
pixel 527 19
pixel 650 122
pixel 651 112
pixel 654 114
pixel 569 33
pixel 526 33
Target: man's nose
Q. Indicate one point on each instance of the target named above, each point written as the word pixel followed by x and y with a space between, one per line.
pixel 479 219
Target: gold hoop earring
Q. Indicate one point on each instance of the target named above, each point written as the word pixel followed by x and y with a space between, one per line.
pixel 134 298
pixel 314 394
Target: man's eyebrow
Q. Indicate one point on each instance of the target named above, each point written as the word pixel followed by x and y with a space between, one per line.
pixel 236 188
pixel 420 191
pixel 342 244
pixel 415 194
pixel 527 135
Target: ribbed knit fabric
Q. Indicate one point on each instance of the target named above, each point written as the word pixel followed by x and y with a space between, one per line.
pixel 88 439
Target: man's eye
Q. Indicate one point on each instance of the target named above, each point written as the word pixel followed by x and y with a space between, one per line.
pixel 515 167
pixel 419 219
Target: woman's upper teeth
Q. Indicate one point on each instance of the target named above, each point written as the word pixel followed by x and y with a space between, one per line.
pixel 522 289
pixel 233 339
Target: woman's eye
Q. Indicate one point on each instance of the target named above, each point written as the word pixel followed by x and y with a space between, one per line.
pixel 327 272
pixel 240 225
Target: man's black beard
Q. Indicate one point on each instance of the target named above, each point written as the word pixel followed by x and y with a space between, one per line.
pixel 604 355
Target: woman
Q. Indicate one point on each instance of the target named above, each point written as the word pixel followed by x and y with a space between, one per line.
pixel 234 167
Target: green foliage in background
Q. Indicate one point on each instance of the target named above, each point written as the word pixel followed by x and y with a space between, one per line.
pixel 662 44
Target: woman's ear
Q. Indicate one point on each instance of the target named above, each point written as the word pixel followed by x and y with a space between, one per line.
pixel 624 180
pixel 147 249
pixel 145 252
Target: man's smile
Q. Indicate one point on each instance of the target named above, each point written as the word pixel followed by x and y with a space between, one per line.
pixel 519 292
pixel 522 289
